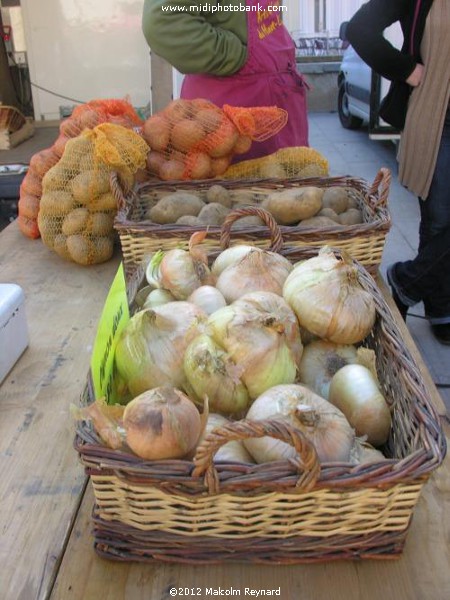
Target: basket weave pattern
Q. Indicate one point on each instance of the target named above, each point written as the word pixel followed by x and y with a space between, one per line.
pixel 365 242
pixel 197 511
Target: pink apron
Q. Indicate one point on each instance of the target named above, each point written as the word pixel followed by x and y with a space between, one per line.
pixel 268 78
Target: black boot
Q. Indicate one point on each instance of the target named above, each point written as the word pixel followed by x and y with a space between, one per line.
pixel 442 333
pixel 402 307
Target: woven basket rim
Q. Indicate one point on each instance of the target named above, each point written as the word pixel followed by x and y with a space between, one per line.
pixel 373 199
pixel 283 475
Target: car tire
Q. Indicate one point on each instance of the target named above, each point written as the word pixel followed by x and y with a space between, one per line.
pixel 347 120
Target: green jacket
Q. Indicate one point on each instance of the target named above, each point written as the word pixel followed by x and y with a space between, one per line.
pixel 197 41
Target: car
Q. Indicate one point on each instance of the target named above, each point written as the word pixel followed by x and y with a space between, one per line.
pixel 360 90
pixel 354 87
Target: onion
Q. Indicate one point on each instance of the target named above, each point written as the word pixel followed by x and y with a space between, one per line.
pixel 180 271
pixel 259 270
pixel 320 361
pixel 233 451
pixel 261 334
pixel 355 391
pixel 208 298
pixel 162 423
pixel 229 257
pixel 210 372
pixel 328 299
pixel 321 422
pixel 150 350
pixel 157 298
pixel 363 453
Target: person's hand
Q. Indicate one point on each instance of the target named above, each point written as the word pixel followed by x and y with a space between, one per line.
pixel 416 76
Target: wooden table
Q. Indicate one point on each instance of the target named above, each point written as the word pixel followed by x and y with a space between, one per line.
pixel 45 520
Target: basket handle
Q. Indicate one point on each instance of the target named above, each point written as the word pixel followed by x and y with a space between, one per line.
pixel 307 461
pixel 276 238
pixel 378 193
pixel 123 199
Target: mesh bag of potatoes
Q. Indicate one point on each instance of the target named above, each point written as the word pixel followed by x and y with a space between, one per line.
pixel 85 116
pixel 195 139
pixel 77 207
pixel 296 161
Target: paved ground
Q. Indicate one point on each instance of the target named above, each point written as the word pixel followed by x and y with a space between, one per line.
pixel 353 153
pixel 349 153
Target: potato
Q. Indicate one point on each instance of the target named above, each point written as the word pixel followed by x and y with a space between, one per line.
pixel 198 165
pixel 189 220
pixel 60 246
pixel 213 214
pixel 352 201
pixel 154 161
pixel 178 109
pixel 75 221
pixel 186 134
pixel 56 203
pixel 222 141
pixel 103 248
pixel 209 119
pixel 330 213
pixel 89 184
pixel 156 132
pixel 250 221
pixel 293 205
pixel 243 144
pixel 220 165
pixel 50 229
pixel 171 170
pixel 335 198
pixel 81 249
pixel 104 203
pixel 220 195
pixel 312 170
pixel 272 169
pixel 173 206
pixel 100 223
pixel 318 222
pixel 56 178
pixel 352 216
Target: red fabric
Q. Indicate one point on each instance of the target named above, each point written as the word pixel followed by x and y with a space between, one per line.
pixel 268 78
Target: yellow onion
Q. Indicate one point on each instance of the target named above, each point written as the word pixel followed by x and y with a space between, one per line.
pixel 208 298
pixel 151 347
pixel 258 270
pixel 363 453
pixel 180 271
pixel 355 391
pixel 211 372
pixel 322 423
pixel 157 298
pixel 233 451
pixel 328 300
pixel 261 335
pixel 162 423
pixel 229 257
pixel 320 361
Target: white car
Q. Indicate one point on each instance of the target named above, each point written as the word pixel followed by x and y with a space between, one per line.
pixel 360 92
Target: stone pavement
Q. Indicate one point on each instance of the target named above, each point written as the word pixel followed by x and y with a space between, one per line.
pixel 349 153
pixel 354 153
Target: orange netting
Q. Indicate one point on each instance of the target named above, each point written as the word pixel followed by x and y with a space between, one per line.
pixel 195 139
pixel 85 116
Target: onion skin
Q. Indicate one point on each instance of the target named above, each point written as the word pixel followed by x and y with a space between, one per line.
pixel 328 300
pixel 162 423
pixel 355 392
pixel 322 423
pixel 233 451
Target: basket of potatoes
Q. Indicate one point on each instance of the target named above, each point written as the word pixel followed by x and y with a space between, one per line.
pixel 343 212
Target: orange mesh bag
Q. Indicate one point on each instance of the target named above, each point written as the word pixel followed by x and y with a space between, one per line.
pixel 195 139
pixel 298 161
pixel 77 207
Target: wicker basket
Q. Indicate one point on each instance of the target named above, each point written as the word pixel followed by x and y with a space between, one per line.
pixel 11 119
pixel 282 512
pixel 365 241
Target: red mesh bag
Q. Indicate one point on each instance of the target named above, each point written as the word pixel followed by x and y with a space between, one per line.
pixel 195 139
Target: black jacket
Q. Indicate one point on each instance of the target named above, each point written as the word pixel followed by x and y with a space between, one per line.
pixel 365 33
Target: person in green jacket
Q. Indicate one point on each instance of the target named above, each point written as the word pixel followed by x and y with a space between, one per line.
pixel 238 53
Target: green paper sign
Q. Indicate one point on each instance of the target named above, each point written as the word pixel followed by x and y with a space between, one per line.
pixel 114 317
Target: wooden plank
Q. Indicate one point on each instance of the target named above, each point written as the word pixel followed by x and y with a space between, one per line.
pixel 42 480
pixel 421 573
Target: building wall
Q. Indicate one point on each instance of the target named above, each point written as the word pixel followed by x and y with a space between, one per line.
pixel 310 17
